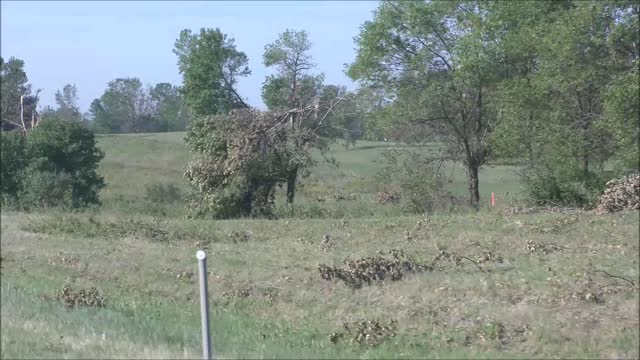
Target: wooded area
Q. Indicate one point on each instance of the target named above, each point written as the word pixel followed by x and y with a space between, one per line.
pixel 551 86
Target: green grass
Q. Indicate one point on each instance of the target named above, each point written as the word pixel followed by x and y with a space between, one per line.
pixel 141 256
pixel 133 161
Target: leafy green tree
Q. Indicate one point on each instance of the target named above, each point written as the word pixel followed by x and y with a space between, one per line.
pixel 62 156
pixel 565 64
pixel 53 164
pixel 211 66
pixel 123 108
pixel 15 90
pixel 170 110
pixel 437 62
pixel 293 86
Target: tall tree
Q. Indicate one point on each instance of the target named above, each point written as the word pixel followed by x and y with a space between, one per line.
pixel 293 86
pixel 170 111
pixel 67 101
pixel 17 102
pixel 437 62
pixel 211 66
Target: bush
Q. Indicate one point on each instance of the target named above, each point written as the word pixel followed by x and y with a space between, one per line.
pixel 47 189
pixel 12 163
pixel 543 188
pixel 421 188
pixel 423 191
pixel 53 165
pixel 67 147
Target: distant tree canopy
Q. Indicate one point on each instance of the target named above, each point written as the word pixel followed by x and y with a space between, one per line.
pixel 210 66
pixel 128 107
pixel 14 86
pixel 67 105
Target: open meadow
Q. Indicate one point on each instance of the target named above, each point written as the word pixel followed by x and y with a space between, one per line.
pixel 331 278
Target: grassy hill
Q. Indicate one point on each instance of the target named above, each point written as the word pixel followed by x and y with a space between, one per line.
pixel 134 162
pixel 466 285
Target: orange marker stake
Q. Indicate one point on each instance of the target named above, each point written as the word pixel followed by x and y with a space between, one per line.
pixel 493 200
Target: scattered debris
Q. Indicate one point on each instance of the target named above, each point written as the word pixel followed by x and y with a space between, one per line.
pixel 541 210
pixel 241 293
pixel 388 197
pixel 488 256
pixel 390 226
pixel 265 290
pixel 374 268
pixel 69 261
pixel 533 246
pixel 366 332
pixel 239 236
pixel 184 275
pixel 71 299
pixel 554 226
pixel 327 243
pixel 620 194
pixel 341 196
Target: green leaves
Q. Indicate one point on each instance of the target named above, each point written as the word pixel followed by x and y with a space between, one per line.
pixel 210 65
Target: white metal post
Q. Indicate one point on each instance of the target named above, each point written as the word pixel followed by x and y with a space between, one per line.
pixel 204 305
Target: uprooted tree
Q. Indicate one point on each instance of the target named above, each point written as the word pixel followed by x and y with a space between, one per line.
pixel 241 158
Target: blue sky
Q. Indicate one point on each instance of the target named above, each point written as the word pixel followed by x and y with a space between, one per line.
pixel 90 43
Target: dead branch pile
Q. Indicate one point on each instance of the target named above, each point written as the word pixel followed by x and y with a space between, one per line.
pixel 620 194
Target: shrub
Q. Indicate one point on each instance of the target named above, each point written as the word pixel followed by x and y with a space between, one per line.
pixel 63 157
pixel 422 190
pixel 12 163
pixel 48 189
pixel 420 186
pixel 543 188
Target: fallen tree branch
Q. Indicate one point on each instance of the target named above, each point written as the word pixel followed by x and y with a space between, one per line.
pixel 474 263
pixel 616 276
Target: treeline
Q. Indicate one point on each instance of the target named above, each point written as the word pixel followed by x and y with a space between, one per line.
pixel 552 86
pixel 126 106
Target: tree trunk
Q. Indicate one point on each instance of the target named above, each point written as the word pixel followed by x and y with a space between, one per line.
pixel 292 176
pixel 473 184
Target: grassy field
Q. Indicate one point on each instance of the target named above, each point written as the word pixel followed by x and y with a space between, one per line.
pixel 471 285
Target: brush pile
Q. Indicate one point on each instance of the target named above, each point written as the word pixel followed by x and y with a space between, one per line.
pixel 73 299
pixel 620 194
pixel 357 272
pixel 366 332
